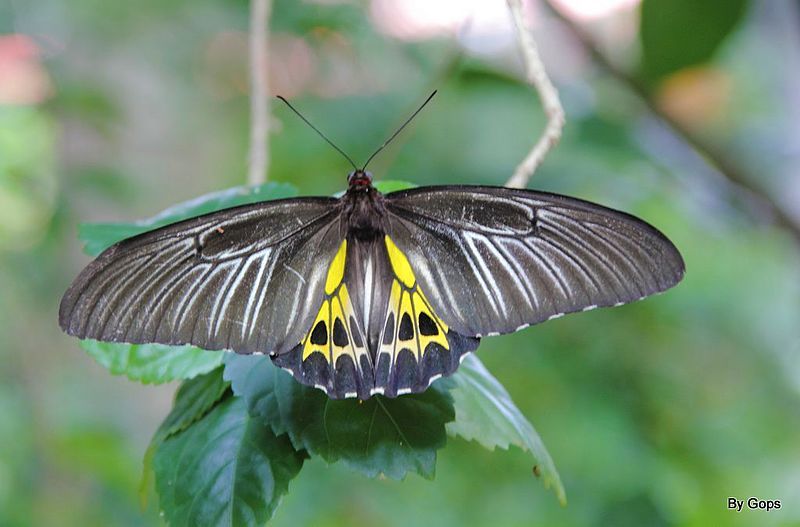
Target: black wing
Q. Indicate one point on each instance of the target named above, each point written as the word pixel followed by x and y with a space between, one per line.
pixel 248 279
pixel 495 260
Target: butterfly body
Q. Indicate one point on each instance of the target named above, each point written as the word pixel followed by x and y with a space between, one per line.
pixel 369 293
pixel 374 332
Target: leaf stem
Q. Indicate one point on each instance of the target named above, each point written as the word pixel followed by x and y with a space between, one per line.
pixel 394 423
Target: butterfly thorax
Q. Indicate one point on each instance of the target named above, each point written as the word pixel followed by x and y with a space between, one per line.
pixel 364 209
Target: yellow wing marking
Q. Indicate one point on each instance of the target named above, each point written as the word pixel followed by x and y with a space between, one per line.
pixel 340 336
pixel 332 333
pixel 400 266
pixel 406 310
pixel 334 326
pixel 336 270
pixel 427 334
pixel 407 298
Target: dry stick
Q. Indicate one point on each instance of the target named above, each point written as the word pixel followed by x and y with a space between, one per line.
pixel 537 77
pixel 714 157
pixel 259 102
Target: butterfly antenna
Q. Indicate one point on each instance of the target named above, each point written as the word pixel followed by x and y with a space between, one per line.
pixel 399 129
pixel 300 115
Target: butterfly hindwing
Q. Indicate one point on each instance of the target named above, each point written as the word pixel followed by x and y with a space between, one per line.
pixel 333 356
pixel 416 345
pixel 494 260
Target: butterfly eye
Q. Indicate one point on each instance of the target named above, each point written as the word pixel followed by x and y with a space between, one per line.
pixel 359 178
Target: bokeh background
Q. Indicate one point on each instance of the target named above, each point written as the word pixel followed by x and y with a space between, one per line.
pixel 655 413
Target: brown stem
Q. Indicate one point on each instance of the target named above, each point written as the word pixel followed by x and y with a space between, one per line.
pixel 258 162
pixel 548 95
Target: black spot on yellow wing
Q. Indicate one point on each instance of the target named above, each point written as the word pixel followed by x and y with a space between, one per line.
pixel 339 334
pixel 406 328
pixel 427 326
pixel 319 335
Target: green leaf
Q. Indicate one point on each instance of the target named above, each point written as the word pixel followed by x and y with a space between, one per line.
pixel 378 436
pixel 194 398
pixel 391 185
pixel 228 468
pixel 485 413
pixel 676 34
pixel 99 236
pixel 152 363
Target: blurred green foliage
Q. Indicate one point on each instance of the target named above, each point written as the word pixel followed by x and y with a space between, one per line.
pixel 655 413
pixel 694 29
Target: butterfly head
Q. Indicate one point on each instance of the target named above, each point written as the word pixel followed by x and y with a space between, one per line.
pixel 359 179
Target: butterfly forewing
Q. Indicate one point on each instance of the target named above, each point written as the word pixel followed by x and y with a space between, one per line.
pixel 247 279
pixel 495 260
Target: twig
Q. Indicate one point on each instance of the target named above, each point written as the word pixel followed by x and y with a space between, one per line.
pixel 717 159
pixel 259 102
pixel 537 77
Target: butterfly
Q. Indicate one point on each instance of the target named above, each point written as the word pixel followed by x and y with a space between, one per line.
pixel 369 293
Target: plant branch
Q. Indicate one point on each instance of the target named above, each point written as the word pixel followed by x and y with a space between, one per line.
pixel 716 158
pixel 536 77
pixel 258 161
